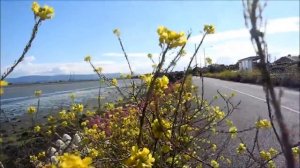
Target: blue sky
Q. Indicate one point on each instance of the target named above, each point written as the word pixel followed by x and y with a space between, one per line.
pixel 85 27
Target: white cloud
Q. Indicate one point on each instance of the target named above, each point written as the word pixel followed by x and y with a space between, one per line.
pixel 282 25
pixel 28 60
pixel 32 68
pixel 230 46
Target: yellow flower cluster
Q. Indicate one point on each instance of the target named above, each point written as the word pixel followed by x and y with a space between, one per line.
pixel 71 161
pixel 77 108
pixel 72 96
pixel 43 13
pixel 114 82
pixel 171 38
pixel 33 158
pixel 147 78
pixel 140 158
pixel 209 29
pixel 51 119
pixel 263 124
pixel 31 110
pixel 64 123
pixel 149 56
pixel 87 58
pixel 41 154
pixel 93 153
pixel 99 69
pixel 296 151
pixel 117 32
pixel 214 164
pixel 267 155
pixel 158 129
pixel 233 131
pixel 2 83
pixel 214 147
pixel 37 129
pixel 37 93
pixel 94 133
pixel 219 115
pixel 90 113
pixel 241 149
pixel 162 82
pixel 66 116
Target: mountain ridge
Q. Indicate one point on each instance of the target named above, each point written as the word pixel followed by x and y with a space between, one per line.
pixel 58 78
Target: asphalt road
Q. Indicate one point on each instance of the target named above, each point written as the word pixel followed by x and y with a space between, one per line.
pixel 253 106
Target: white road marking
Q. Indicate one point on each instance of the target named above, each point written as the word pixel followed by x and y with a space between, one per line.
pixel 264 100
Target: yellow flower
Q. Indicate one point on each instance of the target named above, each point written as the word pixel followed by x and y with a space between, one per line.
pixel 140 158
pixel 74 161
pixel 72 96
pixel 77 108
pixel 114 82
pixel 209 29
pixel 241 149
pixel 214 164
pixel 33 158
pixel 296 151
pixel 31 110
pixel 37 93
pixel 2 83
pixel 158 129
pixel 263 124
pixel 271 164
pixel 51 119
pixel 64 123
pixel 41 154
pixel 63 115
pixel 214 147
pixel 109 106
pixel 37 129
pixel 87 58
pixel 265 155
pixel 45 12
pixel 90 113
pixel 163 82
pixel 128 76
pixel 273 151
pixel 35 7
pixel 99 70
pixel 147 78
pixel 49 132
pixel 93 153
pixel 149 55
pixel 117 32
pixel 171 38
pixel 233 131
pixel 218 113
pixel 166 148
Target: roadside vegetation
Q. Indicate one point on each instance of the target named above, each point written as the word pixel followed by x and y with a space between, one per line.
pixel 237 76
pixel 158 123
pixel 288 79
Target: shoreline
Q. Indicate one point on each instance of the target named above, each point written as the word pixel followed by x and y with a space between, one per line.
pixel 13 129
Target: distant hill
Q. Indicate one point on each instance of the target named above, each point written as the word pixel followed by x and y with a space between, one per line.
pixel 57 78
